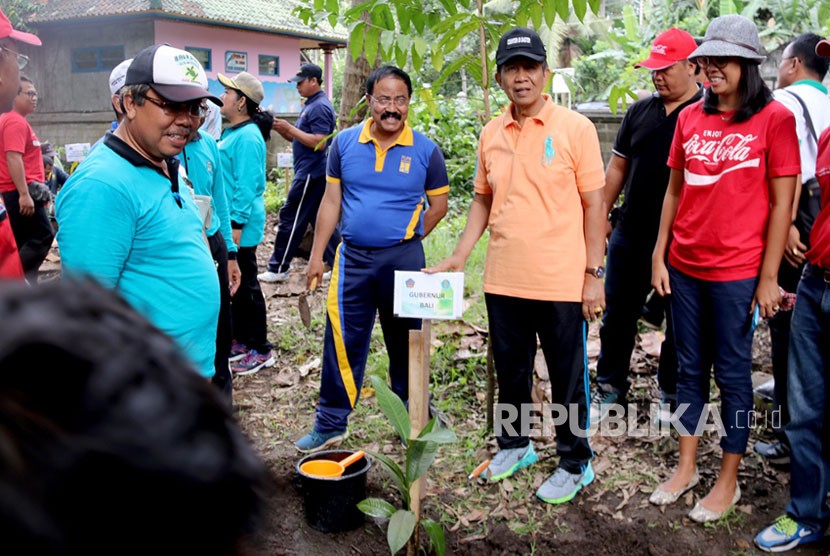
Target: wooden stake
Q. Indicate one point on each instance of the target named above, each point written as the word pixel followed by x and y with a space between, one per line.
pixel 419 342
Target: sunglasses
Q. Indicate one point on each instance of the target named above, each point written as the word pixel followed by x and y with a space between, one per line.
pixel 193 109
pixel 718 62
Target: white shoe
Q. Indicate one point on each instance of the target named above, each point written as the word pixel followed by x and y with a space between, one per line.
pixel 704 515
pixel 662 497
pixel 273 277
pixel 327 275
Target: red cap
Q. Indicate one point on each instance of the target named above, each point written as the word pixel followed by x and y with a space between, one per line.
pixel 669 48
pixel 823 48
pixel 6 30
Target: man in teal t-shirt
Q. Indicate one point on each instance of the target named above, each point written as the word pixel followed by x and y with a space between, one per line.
pixel 122 219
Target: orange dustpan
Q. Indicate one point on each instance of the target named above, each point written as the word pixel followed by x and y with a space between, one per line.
pixel 328 469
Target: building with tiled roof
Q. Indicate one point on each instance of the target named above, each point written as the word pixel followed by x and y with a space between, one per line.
pixel 273 16
pixel 84 39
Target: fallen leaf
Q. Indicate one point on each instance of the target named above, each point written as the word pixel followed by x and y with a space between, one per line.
pixel 464 354
pixel 287 377
pixel 593 348
pixel 507 485
pixel 309 365
pixel 541 366
pixel 475 516
pixel 624 502
pixel 603 509
pixel 650 342
pixel 601 464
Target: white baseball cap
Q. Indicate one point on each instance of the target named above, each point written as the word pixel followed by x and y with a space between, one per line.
pixel 119 75
pixel 174 74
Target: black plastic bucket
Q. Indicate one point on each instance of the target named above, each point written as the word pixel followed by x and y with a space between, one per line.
pixel 330 505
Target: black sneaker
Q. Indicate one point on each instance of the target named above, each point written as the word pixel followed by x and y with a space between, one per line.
pixel 603 401
pixel 777 453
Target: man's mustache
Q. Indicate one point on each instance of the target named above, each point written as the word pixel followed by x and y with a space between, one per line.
pixel 395 115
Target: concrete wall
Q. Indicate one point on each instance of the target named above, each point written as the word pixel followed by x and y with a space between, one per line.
pixel 607 125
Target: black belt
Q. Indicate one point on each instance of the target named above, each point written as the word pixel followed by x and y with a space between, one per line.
pixel 819 272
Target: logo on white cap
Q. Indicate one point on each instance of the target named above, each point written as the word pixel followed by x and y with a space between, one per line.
pixel 177 67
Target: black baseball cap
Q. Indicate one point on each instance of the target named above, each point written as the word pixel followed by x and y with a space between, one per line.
pixel 520 41
pixel 306 71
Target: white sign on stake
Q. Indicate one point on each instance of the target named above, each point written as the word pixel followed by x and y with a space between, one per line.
pixel 76 152
pixel 429 296
pixel 285 160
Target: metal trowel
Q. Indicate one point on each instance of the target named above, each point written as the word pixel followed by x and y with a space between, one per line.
pixel 302 304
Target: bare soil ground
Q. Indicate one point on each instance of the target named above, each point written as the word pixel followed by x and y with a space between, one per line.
pixel 612 516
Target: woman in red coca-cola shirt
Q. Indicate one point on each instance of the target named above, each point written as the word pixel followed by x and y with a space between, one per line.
pixel 726 214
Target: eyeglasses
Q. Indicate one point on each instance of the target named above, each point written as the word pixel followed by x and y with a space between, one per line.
pixel 192 109
pixel 31 94
pixel 22 59
pixel 383 102
pixel 719 62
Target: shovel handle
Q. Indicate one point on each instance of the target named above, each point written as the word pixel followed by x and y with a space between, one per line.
pixel 352 458
pixel 479 469
pixel 313 285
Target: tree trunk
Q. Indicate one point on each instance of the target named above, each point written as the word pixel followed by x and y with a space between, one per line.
pixel 354 84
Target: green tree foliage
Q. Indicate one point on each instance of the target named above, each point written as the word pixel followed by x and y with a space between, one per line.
pixel 429 33
pixel 19 12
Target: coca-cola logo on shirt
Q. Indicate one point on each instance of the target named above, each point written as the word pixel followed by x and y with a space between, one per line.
pixel 716 149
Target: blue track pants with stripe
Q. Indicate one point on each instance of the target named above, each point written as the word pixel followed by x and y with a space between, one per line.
pixel 362 286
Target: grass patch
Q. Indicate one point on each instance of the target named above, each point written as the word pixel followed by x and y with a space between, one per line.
pixel 440 244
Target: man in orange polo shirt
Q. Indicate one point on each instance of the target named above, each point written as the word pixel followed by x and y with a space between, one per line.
pixel 538 187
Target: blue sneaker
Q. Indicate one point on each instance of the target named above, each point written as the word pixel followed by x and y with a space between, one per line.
pixel 315 441
pixel 562 486
pixel 785 534
pixel 507 462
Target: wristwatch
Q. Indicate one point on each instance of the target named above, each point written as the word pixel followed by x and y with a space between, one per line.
pixel 596 272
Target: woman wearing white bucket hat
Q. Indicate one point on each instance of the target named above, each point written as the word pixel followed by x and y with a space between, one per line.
pixel 724 226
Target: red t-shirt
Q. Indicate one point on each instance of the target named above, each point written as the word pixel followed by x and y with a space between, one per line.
pixel 16 135
pixel 10 266
pixel 819 253
pixel 720 229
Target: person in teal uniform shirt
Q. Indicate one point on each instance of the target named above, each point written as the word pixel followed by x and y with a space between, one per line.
pixel 201 163
pixel 122 219
pixel 243 152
